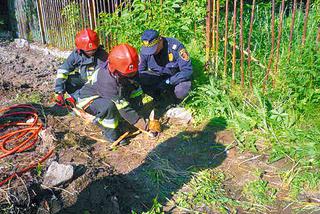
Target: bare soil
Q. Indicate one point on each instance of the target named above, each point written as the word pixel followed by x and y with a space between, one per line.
pixel 122 179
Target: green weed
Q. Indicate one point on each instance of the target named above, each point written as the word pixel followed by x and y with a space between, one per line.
pixel 283 119
pixel 206 190
pixel 155 209
pixel 34 97
pixel 163 172
pixel 259 192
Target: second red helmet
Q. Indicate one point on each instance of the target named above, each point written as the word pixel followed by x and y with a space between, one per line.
pixel 87 40
pixel 125 59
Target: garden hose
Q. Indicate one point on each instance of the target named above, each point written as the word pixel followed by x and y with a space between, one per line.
pixel 19 135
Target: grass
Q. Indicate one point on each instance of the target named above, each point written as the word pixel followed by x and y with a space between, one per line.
pixel 34 97
pixel 259 192
pixel 206 192
pixel 281 122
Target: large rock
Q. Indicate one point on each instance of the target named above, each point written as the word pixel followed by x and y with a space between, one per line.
pixel 57 174
pixel 179 114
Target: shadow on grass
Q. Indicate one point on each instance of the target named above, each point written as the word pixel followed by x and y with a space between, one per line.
pixel 165 170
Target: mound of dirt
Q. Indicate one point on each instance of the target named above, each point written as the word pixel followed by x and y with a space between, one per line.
pixel 25 71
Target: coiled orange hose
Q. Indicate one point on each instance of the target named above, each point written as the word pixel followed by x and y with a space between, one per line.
pixel 23 135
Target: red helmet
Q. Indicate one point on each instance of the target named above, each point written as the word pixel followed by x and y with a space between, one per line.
pixel 125 59
pixel 87 40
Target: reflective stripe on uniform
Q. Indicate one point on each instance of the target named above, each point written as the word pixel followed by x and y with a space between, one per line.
pixel 63 73
pixel 109 123
pixel 62 76
pixel 83 102
pixel 92 77
pixel 136 93
pixel 121 104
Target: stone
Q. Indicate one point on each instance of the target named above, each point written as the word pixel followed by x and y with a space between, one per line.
pixel 21 43
pixel 179 114
pixel 57 174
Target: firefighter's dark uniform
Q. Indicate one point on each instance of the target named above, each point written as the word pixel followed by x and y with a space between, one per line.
pixel 77 70
pixel 171 70
pixel 106 95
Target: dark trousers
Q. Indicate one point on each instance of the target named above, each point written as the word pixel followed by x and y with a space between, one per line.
pixel 73 83
pixel 154 86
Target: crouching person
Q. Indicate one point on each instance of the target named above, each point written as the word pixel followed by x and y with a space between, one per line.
pixel 112 91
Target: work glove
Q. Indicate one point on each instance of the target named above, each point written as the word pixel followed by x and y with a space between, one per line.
pixel 59 99
pixel 70 101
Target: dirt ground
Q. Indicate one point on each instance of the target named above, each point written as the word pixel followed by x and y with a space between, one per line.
pixel 129 177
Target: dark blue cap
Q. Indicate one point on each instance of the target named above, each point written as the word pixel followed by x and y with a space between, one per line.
pixel 150 40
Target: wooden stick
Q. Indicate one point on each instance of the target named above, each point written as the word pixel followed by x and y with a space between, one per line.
pixel 125 135
pixel 217 36
pixel 115 143
pixel 292 24
pixel 305 26
pixel 278 44
pixel 266 77
pixel 249 42
pixel 208 25
pixel 241 44
pixel 234 40
pixel 226 41
pixel 213 39
pixel 84 115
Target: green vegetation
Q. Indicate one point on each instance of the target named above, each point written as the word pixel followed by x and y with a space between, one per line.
pixel 283 118
pixel 72 14
pixel 281 121
pixel 258 192
pixel 155 209
pixel 34 97
pixel 206 191
pixel 175 18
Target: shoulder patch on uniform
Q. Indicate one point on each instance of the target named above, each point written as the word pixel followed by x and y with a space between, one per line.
pixel 170 56
pixel 174 47
pixel 184 54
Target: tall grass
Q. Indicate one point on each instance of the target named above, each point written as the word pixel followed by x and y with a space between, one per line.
pixel 284 118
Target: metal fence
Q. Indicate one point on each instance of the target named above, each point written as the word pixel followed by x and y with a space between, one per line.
pixel 237 49
pixel 55 22
pixel 228 49
pixel 61 19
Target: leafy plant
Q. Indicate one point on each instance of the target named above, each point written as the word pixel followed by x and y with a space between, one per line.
pixel 71 13
pixel 206 189
pixel 259 192
pixel 174 18
pixel 155 209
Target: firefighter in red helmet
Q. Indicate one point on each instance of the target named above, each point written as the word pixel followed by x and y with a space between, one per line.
pixel 80 65
pixel 113 91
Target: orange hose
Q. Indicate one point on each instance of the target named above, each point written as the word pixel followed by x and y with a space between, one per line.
pixel 24 135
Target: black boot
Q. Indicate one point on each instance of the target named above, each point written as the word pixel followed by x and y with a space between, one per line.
pixel 112 135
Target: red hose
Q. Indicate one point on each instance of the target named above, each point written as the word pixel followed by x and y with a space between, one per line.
pixel 23 136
